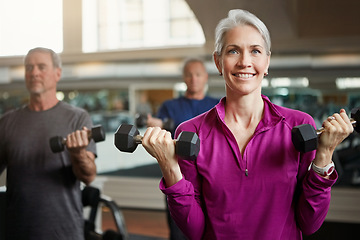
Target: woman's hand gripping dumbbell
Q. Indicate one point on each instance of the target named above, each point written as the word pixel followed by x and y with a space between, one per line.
pixel 58 143
pixel 305 137
pixel 127 138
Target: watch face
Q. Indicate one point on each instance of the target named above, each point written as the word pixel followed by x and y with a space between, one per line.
pixel 325 171
pixel 330 170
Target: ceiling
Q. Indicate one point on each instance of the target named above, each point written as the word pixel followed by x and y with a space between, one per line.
pixel 319 39
pixel 296 26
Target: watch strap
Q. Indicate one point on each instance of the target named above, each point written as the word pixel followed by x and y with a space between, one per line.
pixel 325 171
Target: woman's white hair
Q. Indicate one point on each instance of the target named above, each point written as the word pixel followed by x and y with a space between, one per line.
pixel 238 17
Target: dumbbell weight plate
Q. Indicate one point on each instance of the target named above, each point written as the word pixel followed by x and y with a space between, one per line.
pixel 169 125
pixel 304 138
pixel 57 144
pixel 141 120
pixel 187 145
pixel 98 133
pixel 355 115
pixel 124 138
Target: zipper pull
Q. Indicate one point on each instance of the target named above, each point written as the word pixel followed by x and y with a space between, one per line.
pixel 246 172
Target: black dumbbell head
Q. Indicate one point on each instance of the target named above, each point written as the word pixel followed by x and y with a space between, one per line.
pixel 355 114
pixel 187 145
pixel 141 120
pixel 124 138
pixel 98 134
pixel 56 144
pixel 304 138
pixel 169 124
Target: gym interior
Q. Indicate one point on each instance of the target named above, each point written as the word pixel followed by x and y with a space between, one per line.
pixel 113 65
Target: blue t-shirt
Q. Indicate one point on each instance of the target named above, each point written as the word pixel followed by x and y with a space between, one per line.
pixel 182 108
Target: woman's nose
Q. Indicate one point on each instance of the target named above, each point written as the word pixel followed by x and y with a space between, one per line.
pixel 244 60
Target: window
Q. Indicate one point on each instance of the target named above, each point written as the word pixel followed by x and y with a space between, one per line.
pixel 27 24
pixel 124 24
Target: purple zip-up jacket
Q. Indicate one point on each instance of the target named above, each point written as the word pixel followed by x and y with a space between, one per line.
pixel 269 193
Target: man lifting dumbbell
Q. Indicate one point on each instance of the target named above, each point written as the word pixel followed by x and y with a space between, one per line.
pixel 127 138
pixel 96 133
pixel 305 137
pixel 141 121
pixel 43 188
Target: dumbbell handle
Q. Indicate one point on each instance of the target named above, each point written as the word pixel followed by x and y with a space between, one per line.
pixel 321 130
pixel 96 133
pixel 138 139
pixel 89 132
pixel 127 138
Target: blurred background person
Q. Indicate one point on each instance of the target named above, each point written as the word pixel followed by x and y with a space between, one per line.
pixel 178 110
pixel 43 188
pixel 194 102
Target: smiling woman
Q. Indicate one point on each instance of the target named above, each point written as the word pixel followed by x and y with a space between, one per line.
pixel 246 145
pixel 26 24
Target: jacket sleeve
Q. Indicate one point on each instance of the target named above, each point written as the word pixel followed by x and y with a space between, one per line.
pixel 314 196
pixel 184 198
pixel 313 192
pixel 185 208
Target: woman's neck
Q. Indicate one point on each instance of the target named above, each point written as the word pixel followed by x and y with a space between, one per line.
pixel 246 110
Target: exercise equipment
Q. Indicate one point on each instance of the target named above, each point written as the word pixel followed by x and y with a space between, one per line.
pixel 305 137
pixel 58 143
pixel 127 138
pixel 93 199
pixel 141 121
pixel 2 213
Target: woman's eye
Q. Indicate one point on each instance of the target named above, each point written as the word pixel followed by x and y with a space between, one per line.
pixel 232 51
pixel 255 51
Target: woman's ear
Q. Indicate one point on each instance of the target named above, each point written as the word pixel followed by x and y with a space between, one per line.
pixel 217 60
pixel 268 62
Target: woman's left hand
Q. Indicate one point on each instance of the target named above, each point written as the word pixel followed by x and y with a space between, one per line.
pixel 336 128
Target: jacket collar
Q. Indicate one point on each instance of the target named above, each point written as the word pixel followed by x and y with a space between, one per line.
pixel 271 117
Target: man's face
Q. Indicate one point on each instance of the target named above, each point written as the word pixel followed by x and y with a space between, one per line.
pixel 40 74
pixel 195 77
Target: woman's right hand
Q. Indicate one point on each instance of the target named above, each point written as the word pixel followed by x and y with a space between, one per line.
pixel 159 144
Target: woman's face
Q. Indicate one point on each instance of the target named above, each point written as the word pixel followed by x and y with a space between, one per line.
pixel 243 60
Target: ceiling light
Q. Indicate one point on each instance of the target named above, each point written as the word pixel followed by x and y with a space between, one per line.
pixel 343 83
pixel 289 82
pixel 265 82
pixel 60 95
